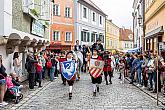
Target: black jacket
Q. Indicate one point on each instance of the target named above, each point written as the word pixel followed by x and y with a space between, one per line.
pixel 75 47
pixel 31 65
pixel 97 47
pixel 2 72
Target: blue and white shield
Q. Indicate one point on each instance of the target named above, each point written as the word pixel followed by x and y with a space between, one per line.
pixel 68 69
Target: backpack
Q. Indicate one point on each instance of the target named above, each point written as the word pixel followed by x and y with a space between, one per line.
pixel 49 64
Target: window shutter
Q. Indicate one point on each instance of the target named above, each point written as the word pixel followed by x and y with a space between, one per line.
pixel 59 11
pixel 70 12
pixel 88 38
pixel 91 37
pixel 81 35
pixel 70 36
pixel 59 37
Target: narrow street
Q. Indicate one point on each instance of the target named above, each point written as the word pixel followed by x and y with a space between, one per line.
pixel 112 97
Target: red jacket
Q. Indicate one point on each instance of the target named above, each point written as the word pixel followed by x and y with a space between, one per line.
pixel 107 67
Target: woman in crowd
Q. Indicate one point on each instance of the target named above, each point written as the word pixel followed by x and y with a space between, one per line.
pixel 17 64
pixel 139 69
pixel 96 81
pixel 2 83
pixel 150 71
pixel 39 69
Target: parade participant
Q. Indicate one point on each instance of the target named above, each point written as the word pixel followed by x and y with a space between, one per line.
pixel 69 57
pixel 99 47
pixel 107 67
pixel 98 80
pixel 77 47
pixel 62 58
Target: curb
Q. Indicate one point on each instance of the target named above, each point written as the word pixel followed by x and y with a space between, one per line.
pixel 146 93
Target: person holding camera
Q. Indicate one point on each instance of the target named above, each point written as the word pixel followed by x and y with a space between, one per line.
pixel 107 67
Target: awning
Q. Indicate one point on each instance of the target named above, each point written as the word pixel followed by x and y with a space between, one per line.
pixel 152 34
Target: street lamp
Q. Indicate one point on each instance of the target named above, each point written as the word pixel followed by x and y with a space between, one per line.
pixel 140 20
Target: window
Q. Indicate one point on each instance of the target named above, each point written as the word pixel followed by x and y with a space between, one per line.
pixel 85 36
pixel 93 37
pixel 67 12
pixel 94 17
pixel 85 12
pixel 68 36
pixel 100 19
pixel 56 10
pixel 56 36
pixel 125 45
pixel 101 36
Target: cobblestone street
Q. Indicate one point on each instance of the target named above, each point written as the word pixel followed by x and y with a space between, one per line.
pixel 112 97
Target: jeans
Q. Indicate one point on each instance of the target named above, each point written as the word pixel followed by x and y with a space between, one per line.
pixel 159 81
pixel 132 74
pixel 139 73
pixel 150 76
pixel 52 70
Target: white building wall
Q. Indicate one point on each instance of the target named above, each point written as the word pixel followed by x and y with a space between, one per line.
pixel 82 23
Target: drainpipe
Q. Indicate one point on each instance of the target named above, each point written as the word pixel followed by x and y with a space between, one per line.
pixel 144 27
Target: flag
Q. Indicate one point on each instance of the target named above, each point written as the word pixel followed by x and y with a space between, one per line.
pixel 96 67
pixel 68 69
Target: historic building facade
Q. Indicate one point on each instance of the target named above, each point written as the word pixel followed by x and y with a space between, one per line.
pixel 62 25
pixel 155 24
pixel 24 26
pixel 138 23
pixel 126 39
pixel 112 36
pixel 89 22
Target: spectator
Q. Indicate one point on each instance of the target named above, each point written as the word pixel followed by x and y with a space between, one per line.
pixel 17 64
pixel 30 62
pixel 2 83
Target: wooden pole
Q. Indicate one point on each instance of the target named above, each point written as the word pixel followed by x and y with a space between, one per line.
pixel 157 44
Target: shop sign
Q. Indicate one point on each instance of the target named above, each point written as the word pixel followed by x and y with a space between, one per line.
pixel 152 26
pixel 38 28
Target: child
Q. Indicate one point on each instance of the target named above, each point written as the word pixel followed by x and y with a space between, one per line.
pixel 121 69
pixel 11 86
pixel 96 81
pixel 69 57
pixel 15 80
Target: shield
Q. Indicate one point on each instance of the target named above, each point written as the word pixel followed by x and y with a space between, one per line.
pixel 68 69
pixel 96 67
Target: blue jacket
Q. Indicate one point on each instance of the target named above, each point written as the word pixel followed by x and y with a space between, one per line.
pixel 139 64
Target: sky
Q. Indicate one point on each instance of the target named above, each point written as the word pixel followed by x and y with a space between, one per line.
pixel 120 11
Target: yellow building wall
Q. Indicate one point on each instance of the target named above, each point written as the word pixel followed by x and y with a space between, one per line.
pixel 154 18
pixel 112 36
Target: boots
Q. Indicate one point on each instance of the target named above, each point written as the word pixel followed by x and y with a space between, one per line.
pixel 70 96
pixel 98 89
pixel 39 84
pixel 94 94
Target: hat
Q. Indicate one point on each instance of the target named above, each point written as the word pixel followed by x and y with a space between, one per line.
pixel 69 53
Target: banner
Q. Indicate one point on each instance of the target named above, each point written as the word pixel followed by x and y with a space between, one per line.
pixel 96 67
pixel 68 69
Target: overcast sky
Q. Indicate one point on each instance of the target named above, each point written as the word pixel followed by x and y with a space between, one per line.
pixel 120 11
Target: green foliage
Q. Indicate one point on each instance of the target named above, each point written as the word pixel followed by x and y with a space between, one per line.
pixel 33 11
